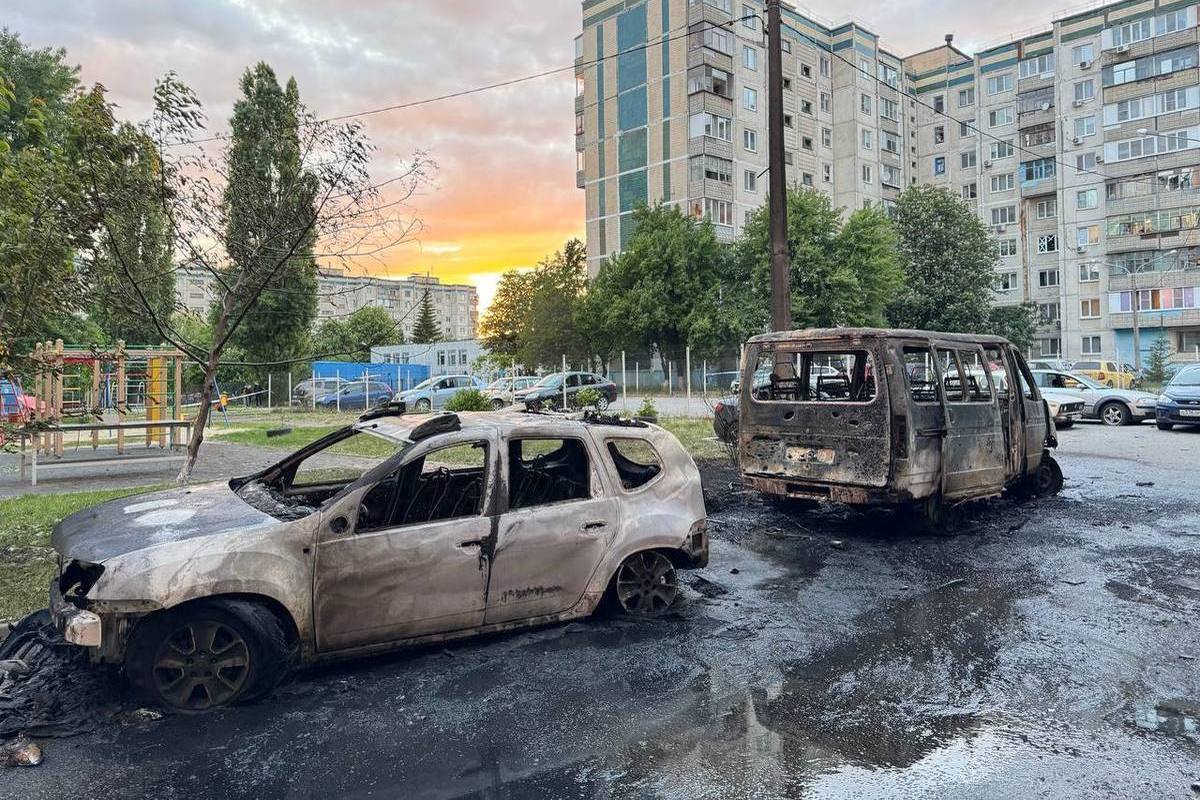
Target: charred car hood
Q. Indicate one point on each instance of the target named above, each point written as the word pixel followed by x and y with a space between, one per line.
pixel 123 526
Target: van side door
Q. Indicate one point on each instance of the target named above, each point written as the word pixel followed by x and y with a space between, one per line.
pixel 926 418
pixel 974 457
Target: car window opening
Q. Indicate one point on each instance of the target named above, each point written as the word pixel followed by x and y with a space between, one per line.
pixel 544 471
pixel 440 485
pixel 636 462
pixel 815 376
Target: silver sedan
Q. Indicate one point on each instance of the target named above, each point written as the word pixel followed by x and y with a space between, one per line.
pixel 1113 407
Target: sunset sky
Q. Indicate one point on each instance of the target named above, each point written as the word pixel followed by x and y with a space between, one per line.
pixel 504 193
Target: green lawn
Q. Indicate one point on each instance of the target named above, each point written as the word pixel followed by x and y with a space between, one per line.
pixel 26 560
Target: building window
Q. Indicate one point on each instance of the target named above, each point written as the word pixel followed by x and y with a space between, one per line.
pixel 712 126
pixel 970 191
pixel 966 97
pixel 826 137
pixel 1085 162
pixel 749 18
pixel 939 104
pixel 788 158
pixel 891 143
pixel 889 109
pixel 1048 313
pixel 1086 199
pixel 890 176
pixel 807 179
pixel 806 142
pixel 867 139
pixel 1004 215
pixel 1085 126
pixel 1047 243
pixel 1049 347
pixel 1047 208
pixel 1090 346
pixel 750 180
pixel 719 212
pixel 787 121
pixel 825 66
pixel 750 58
pixel 1038 170
pixel 1090 308
pixel 1084 91
pixel 707 78
pixel 864 103
pixel 787 84
pixel 1089 273
pixel 750 140
pixel 939 134
pixel 1008 248
pixel 805 71
pixel 1083 53
pixel 1002 183
pixel 939 165
pixel 1000 83
pixel 714 39
pixel 806 107
pixel 964 128
pixel 967 159
pixel 1038 65
pixel 827 173
pixel 1006 281
pixel 1048 277
pixel 1002 149
pixel 1152 145
pixel 826 103
pixel 1000 117
pixel 579 124
pixel 868 178
pixel 750 99
pixel 711 168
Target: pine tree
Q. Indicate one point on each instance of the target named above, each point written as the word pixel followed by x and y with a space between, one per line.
pixel 426 329
pixel 1158 361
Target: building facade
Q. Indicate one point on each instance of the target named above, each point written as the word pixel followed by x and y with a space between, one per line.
pixel 340 294
pixel 1079 146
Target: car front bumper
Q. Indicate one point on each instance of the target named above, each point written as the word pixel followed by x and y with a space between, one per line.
pixel 76 625
pixel 1178 414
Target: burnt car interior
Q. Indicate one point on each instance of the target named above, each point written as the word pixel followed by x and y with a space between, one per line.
pixel 543 471
pixel 636 462
pixel 808 376
pixel 429 488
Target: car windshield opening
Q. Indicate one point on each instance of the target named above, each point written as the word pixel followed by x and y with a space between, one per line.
pixel 1189 377
pixel 306 480
pixel 839 376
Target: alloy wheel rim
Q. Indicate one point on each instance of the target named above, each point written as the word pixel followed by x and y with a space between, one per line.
pixel 201 665
pixel 1112 415
pixel 646 584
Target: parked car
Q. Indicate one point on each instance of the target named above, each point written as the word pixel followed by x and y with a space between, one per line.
pixel 914 418
pixel 1106 372
pixel 548 392
pixel 1110 406
pixel 1056 364
pixel 304 391
pixel 1179 403
pixel 500 392
pixel 474 524
pixel 356 395
pixel 1065 409
pixel 433 393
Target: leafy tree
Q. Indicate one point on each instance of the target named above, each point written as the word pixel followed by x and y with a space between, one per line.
pixel 352 338
pixel 504 325
pixel 655 291
pixel 268 186
pixel 949 258
pixel 1016 323
pixel 551 331
pixel 426 329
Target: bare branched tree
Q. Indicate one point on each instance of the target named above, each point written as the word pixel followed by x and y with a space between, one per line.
pixel 321 205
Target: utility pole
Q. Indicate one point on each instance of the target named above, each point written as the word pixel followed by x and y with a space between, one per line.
pixel 781 313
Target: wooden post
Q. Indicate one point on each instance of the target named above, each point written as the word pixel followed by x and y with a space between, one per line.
pixel 97 414
pixel 178 398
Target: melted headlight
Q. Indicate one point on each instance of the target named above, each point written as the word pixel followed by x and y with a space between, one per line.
pixel 77 579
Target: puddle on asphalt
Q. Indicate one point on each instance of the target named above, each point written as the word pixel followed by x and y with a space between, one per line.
pixel 1172 717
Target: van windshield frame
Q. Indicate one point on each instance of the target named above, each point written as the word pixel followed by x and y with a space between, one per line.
pixel 801 375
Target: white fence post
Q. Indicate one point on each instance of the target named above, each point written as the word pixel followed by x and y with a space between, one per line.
pixel 312 390
pixel 288 397
pixel 564 382
pixel 687 366
pixel 624 385
pixel 337 397
pixel 268 391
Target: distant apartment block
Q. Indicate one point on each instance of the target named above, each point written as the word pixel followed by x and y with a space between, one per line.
pixel 1079 147
pixel 340 294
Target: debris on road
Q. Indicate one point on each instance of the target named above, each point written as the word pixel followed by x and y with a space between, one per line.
pixel 20 753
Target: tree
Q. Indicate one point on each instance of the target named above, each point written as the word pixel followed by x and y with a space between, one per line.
pixel 654 292
pixel 270 197
pixel 551 332
pixel 949 260
pixel 1016 323
pixel 426 329
pixel 1158 361
pixel 503 327
pixel 352 338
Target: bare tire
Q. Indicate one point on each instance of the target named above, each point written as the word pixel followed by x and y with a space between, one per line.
pixel 1049 478
pixel 207 655
pixel 645 584
pixel 1115 414
pixel 422 406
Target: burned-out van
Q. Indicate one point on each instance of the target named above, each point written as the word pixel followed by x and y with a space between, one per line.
pixel 892 417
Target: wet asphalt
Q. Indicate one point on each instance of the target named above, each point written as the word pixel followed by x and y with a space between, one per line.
pixel 1048 649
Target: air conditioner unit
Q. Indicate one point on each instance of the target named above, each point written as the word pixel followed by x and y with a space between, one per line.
pixel 1047 106
pixel 987 164
pixel 1077 104
pixel 1085 64
pixel 999 229
pixel 1077 140
pixel 1099 159
pixel 1123 48
pixel 1081 249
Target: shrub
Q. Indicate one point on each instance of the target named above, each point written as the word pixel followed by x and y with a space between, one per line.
pixel 468 400
pixel 587 397
pixel 648 409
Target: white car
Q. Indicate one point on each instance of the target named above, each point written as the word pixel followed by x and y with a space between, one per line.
pixel 1065 408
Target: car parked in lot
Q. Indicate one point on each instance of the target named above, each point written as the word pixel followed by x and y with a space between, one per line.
pixel 500 391
pixel 1065 409
pixel 356 395
pixel 432 393
pixel 1111 406
pixel 1057 364
pixel 1179 403
pixel 472 524
pixel 310 389
pixel 548 392
pixel 1109 373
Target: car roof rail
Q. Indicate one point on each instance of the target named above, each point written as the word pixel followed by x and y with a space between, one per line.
pixel 614 420
pixel 446 422
pixel 385 410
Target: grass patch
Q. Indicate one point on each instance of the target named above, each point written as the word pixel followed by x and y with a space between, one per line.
pixel 696 436
pixel 27 562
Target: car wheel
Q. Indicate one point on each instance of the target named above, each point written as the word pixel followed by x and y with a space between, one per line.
pixel 207 655
pixel 1049 478
pixel 497 404
pixel 645 584
pixel 602 403
pixel 422 406
pixel 1062 426
pixel 1115 414
pixel 1165 426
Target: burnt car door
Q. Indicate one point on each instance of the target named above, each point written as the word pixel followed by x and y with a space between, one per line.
pixel 973 457
pixel 407 556
pixel 559 522
pixel 1036 425
pixel 926 416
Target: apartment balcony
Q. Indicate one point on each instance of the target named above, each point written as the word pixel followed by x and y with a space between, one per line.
pixel 580 179
pixel 717 190
pixel 711 102
pixel 699 56
pixel 1158 44
pixel 1034 82
pixel 1037 116
pixel 1162 279
pixel 708 145
pixel 703 11
pixel 579 103
pixel 1039 186
pixel 1182 318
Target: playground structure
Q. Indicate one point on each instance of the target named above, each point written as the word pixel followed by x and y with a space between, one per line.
pixel 86 390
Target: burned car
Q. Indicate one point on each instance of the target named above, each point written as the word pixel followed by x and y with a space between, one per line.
pixel 907 418
pixel 467 524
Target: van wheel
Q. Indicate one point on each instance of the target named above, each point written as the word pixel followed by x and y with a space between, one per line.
pixel 1049 477
pixel 207 655
pixel 1115 414
pixel 645 584
pixel 939 516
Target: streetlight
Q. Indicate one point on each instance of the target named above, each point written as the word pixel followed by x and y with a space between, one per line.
pixel 1137 341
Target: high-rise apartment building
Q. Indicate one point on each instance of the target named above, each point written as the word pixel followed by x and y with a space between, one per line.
pixel 1079 147
pixel 340 294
